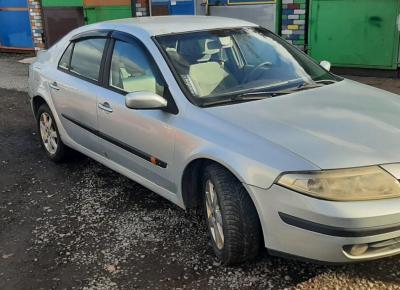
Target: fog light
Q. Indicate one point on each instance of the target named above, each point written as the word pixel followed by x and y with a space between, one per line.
pixel 358 250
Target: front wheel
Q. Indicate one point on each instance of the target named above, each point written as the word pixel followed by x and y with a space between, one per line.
pixel 231 217
pixel 49 135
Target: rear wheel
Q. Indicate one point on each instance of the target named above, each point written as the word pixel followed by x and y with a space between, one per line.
pixel 49 135
pixel 231 217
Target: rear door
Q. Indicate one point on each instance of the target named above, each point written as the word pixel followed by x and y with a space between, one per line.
pixel 74 88
pixel 142 141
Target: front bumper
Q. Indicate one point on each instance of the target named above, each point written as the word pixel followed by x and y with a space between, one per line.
pixel 325 231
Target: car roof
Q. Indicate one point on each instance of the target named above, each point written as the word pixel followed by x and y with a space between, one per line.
pixel 158 25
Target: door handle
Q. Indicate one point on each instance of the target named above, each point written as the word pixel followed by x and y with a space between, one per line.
pixel 105 107
pixel 54 86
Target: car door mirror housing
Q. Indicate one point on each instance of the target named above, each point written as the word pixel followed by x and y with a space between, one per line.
pixel 145 101
pixel 326 65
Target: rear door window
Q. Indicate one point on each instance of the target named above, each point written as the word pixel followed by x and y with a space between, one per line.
pixel 86 58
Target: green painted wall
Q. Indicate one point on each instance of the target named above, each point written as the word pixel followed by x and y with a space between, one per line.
pixel 354 33
pixel 102 13
pixel 62 3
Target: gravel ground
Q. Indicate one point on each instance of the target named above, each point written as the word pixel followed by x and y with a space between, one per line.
pixel 78 225
pixel 13 74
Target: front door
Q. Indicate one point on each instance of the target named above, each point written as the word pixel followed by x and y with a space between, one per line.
pixel 74 88
pixel 142 141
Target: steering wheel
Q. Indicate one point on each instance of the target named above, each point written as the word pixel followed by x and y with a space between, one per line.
pixel 256 68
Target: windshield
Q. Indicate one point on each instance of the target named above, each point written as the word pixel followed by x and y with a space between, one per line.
pixel 217 64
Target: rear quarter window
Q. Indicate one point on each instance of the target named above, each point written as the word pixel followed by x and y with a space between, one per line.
pixel 64 61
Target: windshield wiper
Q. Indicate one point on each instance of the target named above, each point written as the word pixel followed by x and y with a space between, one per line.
pixel 304 86
pixel 243 97
pixel 257 95
pixel 263 94
pixel 253 95
pixel 326 82
pixel 314 84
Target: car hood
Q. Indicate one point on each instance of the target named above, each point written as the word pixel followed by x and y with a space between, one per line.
pixel 346 124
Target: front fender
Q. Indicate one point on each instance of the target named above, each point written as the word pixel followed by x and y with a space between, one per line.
pixel 246 170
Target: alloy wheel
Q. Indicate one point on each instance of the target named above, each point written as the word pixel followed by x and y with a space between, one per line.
pixel 214 215
pixel 48 133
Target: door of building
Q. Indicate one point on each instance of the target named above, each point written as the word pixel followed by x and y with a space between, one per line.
pixel 172 7
pixel 58 21
pixel 101 13
pixel 355 33
pixel 15 26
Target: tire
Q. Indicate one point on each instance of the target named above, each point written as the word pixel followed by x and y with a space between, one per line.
pixel 47 130
pixel 241 229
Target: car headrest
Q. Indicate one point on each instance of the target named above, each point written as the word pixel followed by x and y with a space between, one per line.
pixel 190 48
pixel 212 46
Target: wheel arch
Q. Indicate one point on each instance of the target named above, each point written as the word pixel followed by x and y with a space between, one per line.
pixel 191 185
pixel 40 99
pixel 191 181
pixel 36 102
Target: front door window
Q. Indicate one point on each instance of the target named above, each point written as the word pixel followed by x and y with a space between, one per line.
pixel 133 71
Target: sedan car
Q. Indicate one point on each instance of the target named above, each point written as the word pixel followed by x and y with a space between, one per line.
pixel 223 115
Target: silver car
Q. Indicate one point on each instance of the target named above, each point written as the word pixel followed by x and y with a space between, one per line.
pixel 223 115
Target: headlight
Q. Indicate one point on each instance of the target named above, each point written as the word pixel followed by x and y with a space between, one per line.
pixel 344 184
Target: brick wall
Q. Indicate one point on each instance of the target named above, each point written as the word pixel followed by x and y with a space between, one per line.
pixel 142 8
pixel 294 14
pixel 35 15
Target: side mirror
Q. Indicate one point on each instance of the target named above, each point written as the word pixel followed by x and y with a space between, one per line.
pixel 326 65
pixel 145 101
